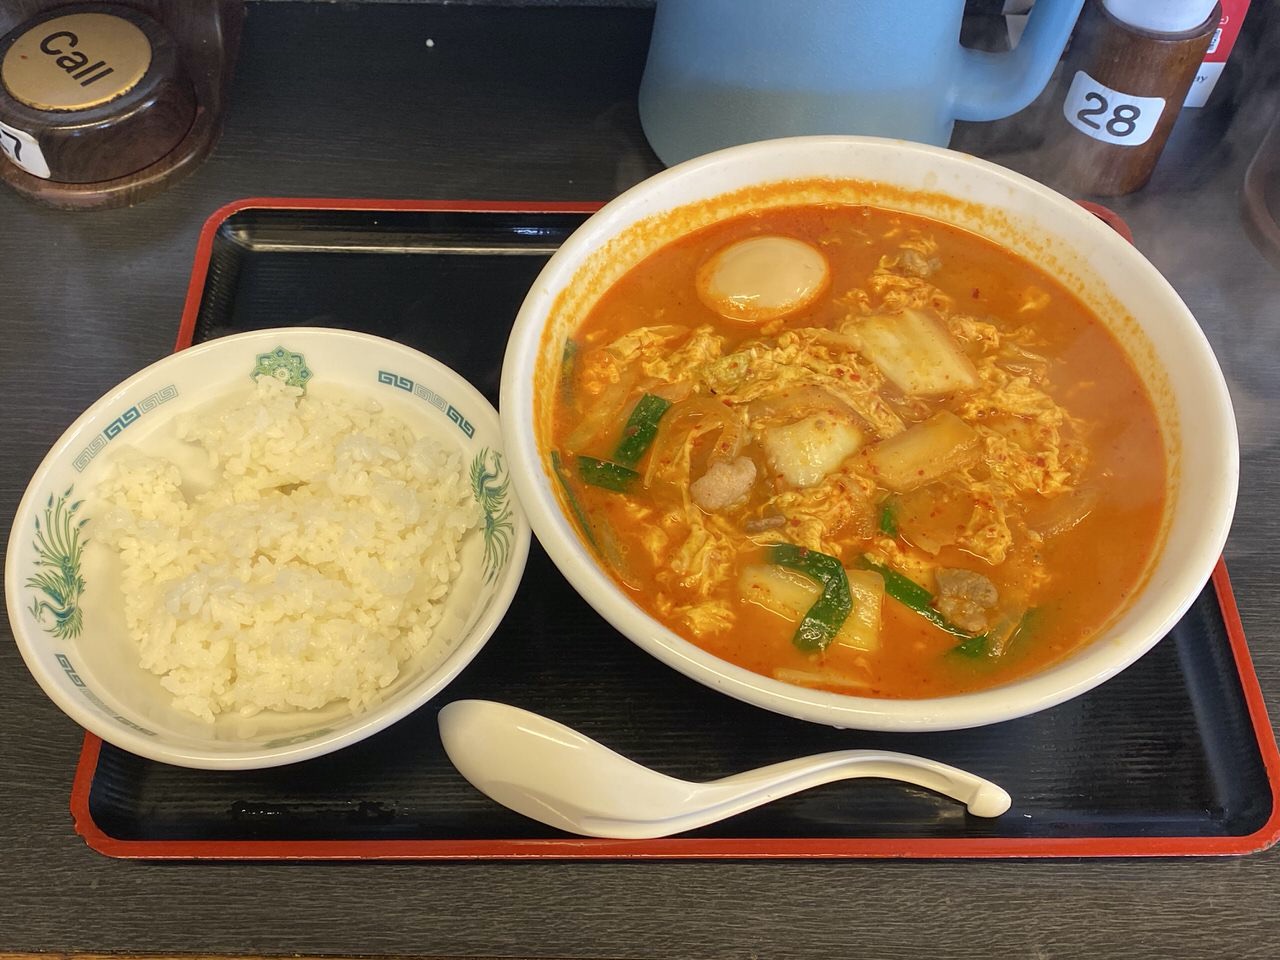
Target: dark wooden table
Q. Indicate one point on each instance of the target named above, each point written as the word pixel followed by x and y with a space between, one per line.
pixel 340 100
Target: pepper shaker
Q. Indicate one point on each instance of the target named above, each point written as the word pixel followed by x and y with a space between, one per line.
pixel 1131 65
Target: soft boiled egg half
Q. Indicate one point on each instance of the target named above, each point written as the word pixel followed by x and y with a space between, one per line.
pixel 762 278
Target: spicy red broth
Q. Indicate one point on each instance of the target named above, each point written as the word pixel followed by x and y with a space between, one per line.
pixel 868 452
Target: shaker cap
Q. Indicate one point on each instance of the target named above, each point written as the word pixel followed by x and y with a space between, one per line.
pixel 1161 16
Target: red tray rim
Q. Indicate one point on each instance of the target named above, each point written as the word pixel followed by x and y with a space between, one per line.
pixel 581 848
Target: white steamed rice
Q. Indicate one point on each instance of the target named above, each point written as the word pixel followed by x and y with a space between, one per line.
pixel 312 570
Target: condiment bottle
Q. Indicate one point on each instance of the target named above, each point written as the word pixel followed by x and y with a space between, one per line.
pixel 1129 70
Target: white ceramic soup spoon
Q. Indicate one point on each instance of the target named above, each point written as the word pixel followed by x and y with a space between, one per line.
pixel 559 777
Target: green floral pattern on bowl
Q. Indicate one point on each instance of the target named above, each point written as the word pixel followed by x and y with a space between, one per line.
pixel 283 365
pixel 489 485
pixel 57 583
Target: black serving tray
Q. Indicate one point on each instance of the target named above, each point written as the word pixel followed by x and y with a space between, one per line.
pixel 1173 756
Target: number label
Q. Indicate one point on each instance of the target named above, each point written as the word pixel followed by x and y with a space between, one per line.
pixel 1108 115
pixel 22 149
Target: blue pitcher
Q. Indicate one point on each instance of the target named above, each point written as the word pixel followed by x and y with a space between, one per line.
pixel 723 72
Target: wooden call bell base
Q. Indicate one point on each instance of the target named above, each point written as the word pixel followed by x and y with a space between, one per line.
pixel 207 33
pixel 126 190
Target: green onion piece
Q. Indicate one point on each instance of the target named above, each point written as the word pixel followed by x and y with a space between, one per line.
pixel 901 588
pixel 602 473
pixel 1002 636
pixel 599 534
pixel 909 593
pixel 889 517
pixel 829 612
pixel 557 465
pixel 1031 621
pixel 972 647
pixel 568 361
pixel 641 427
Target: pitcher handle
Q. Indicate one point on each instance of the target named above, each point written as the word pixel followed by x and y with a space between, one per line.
pixel 994 85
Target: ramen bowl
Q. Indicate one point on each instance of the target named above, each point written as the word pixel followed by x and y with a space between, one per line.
pixel 1111 278
pixel 65 589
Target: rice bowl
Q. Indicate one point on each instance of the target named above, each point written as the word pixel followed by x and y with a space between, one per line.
pixel 311 569
pixel 66 596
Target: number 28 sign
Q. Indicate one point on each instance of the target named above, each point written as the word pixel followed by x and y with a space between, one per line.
pixel 1108 115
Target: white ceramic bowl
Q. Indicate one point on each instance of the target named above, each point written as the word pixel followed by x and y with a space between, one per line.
pixel 1109 275
pixel 93 673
